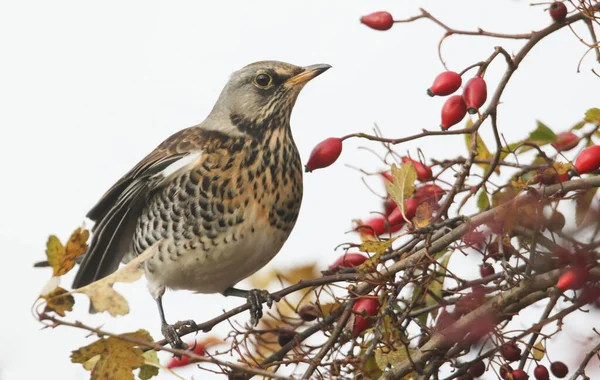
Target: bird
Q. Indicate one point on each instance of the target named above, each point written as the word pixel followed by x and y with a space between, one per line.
pixel 218 199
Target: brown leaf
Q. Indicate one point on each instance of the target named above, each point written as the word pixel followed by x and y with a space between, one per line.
pixel 59 301
pixel 423 216
pixel 61 258
pixel 104 297
pixel 117 357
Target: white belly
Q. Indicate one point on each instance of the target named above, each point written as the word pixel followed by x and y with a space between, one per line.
pixel 217 268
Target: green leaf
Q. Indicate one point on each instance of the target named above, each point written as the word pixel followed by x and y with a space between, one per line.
pixel 483 201
pixel 593 116
pixel 151 365
pixel 583 203
pixel 483 153
pixel 404 184
pixel 542 134
pixel 578 126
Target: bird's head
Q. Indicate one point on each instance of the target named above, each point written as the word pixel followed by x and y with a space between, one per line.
pixel 261 95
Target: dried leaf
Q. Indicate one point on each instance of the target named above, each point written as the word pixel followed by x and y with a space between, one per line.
pixel 423 215
pixel 538 351
pixel 117 357
pixel 104 297
pixel 593 116
pixel 583 202
pixel 151 365
pixel 404 184
pixel 59 301
pixel 61 258
pixel 483 201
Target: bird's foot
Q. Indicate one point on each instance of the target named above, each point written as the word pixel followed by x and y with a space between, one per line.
pixel 171 335
pixel 256 298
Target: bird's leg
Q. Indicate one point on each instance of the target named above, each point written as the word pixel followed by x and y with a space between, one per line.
pixel 170 331
pixel 255 297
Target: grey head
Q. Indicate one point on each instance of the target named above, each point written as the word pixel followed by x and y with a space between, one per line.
pixel 260 97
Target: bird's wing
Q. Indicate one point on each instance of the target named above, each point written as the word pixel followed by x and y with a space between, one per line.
pixel 117 211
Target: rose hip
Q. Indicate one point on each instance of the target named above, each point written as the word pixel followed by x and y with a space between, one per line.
pixel 445 84
pixel 453 111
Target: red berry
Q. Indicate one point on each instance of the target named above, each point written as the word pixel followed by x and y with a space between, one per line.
pixel 378 20
pixel 348 260
pixel 588 160
pixel 388 176
pixel 445 84
pixel 519 374
pixel 505 369
pixel 410 210
pixel 198 349
pixel 558 11
pixel 486 269
pixel 453 111
pixel 574 278
pixel 367 306
pixel 324 154
pixel 559 369
pixel 308 313
pixel 377 226
pixel 477 369
pixel 424 172
pixel 475 94
pixel 565 141
pixel 541 373
pixel 511 352
pixel 427 192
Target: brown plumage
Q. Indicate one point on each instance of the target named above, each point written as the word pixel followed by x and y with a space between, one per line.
pixel 222 196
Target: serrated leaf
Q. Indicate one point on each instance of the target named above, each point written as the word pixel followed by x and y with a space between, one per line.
pixel 376 248
pixel 117 358
pixel 583 203
pixel 151 365
pixel 101 293
pixel 483 201
pixel 542 135
pixel 404 184
pixel 62 258
pixel 59 301
pixel 593 116
pixel 423 216
pixel 579 125
pixel 538 351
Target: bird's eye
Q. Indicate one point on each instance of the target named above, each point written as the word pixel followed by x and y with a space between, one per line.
pixel 263 80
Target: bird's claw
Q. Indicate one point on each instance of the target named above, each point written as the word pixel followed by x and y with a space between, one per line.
pixel 256 298
pixel 170 334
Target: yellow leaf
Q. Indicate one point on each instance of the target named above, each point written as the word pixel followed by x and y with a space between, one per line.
pixel 101 293
pixel 59 301
pixel 304 272
pixel 483 153
pixel 538 351
pixel 387 358
pixel 61 258
pixel 423 215
pixel 328 308
pixel 404 184
pixel 151 365
pixel 377 248
pixel 90 364
pixel 263 278
pixel 561 167
pixel 117 358
pixel 583 202
pixel 365 234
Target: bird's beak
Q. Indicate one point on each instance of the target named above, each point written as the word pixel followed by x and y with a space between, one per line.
pixel 308 73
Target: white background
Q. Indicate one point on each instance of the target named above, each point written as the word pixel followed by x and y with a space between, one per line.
pixel 88 88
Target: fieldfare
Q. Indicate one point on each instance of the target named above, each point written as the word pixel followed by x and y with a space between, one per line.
pixel 220 197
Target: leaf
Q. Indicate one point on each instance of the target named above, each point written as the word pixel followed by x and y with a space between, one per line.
pixel 390 357
pixel 578 126
pixel 151 365
pixel 61 258
pixel 404 184
pixel 370 368
pixel 483 201
pixel 583 203
pixel 104 298
pixel 593 116
pixel 377 248
pixel 437 284
pixel 483 153
pixel 117 357
pixel 538 351
pixel 59 301
pixel 303 272
pixel 423 215
pixel 542 135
